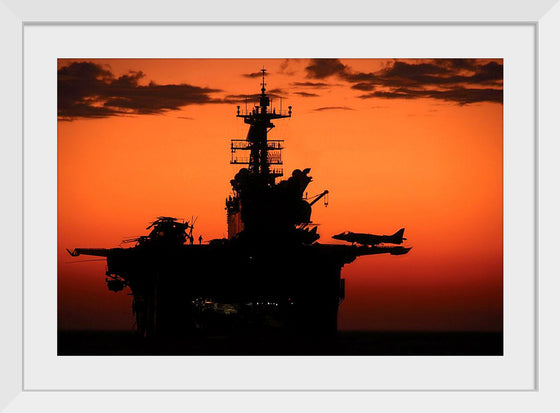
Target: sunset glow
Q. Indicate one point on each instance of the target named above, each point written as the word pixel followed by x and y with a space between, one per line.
pixel 398 143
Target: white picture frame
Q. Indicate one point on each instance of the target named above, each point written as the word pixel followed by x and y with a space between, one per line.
pixel 543 15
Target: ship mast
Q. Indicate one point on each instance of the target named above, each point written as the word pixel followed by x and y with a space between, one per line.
pixel 263 153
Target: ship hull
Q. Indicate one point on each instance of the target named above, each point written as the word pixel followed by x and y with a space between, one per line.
pixel 177 290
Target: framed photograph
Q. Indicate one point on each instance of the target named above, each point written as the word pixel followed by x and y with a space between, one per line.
pixel 147 149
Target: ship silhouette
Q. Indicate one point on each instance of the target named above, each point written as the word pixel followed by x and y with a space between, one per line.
pixel 271 271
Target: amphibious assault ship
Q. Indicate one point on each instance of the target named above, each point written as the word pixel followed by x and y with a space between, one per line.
pixel 271 271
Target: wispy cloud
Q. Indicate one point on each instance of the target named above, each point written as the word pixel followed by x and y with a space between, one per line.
pixel 252 75
pixel 318 85
pixel 306 94
pixel 332 108
pixel 289 66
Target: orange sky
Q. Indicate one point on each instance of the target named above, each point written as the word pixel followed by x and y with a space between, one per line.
pixel 393 147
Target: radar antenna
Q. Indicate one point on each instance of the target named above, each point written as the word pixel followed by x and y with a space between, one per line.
pixel 264 155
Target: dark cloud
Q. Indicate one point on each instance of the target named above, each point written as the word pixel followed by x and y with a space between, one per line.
pixel 322 68
pixel 458 95
pixel 434 74
pixel 252 75
pixel 468 64
pixel 365 86
pixel 491 72
pixel 311 84
pixel 276 92
pixel 416 70
pixel 306 95
pixel 87 90
pixel 462 81
pixel 332 108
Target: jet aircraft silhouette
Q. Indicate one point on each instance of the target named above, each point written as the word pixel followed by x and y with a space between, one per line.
pixel 371 239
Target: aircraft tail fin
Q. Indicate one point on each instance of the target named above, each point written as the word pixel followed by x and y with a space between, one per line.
pixel 397 237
